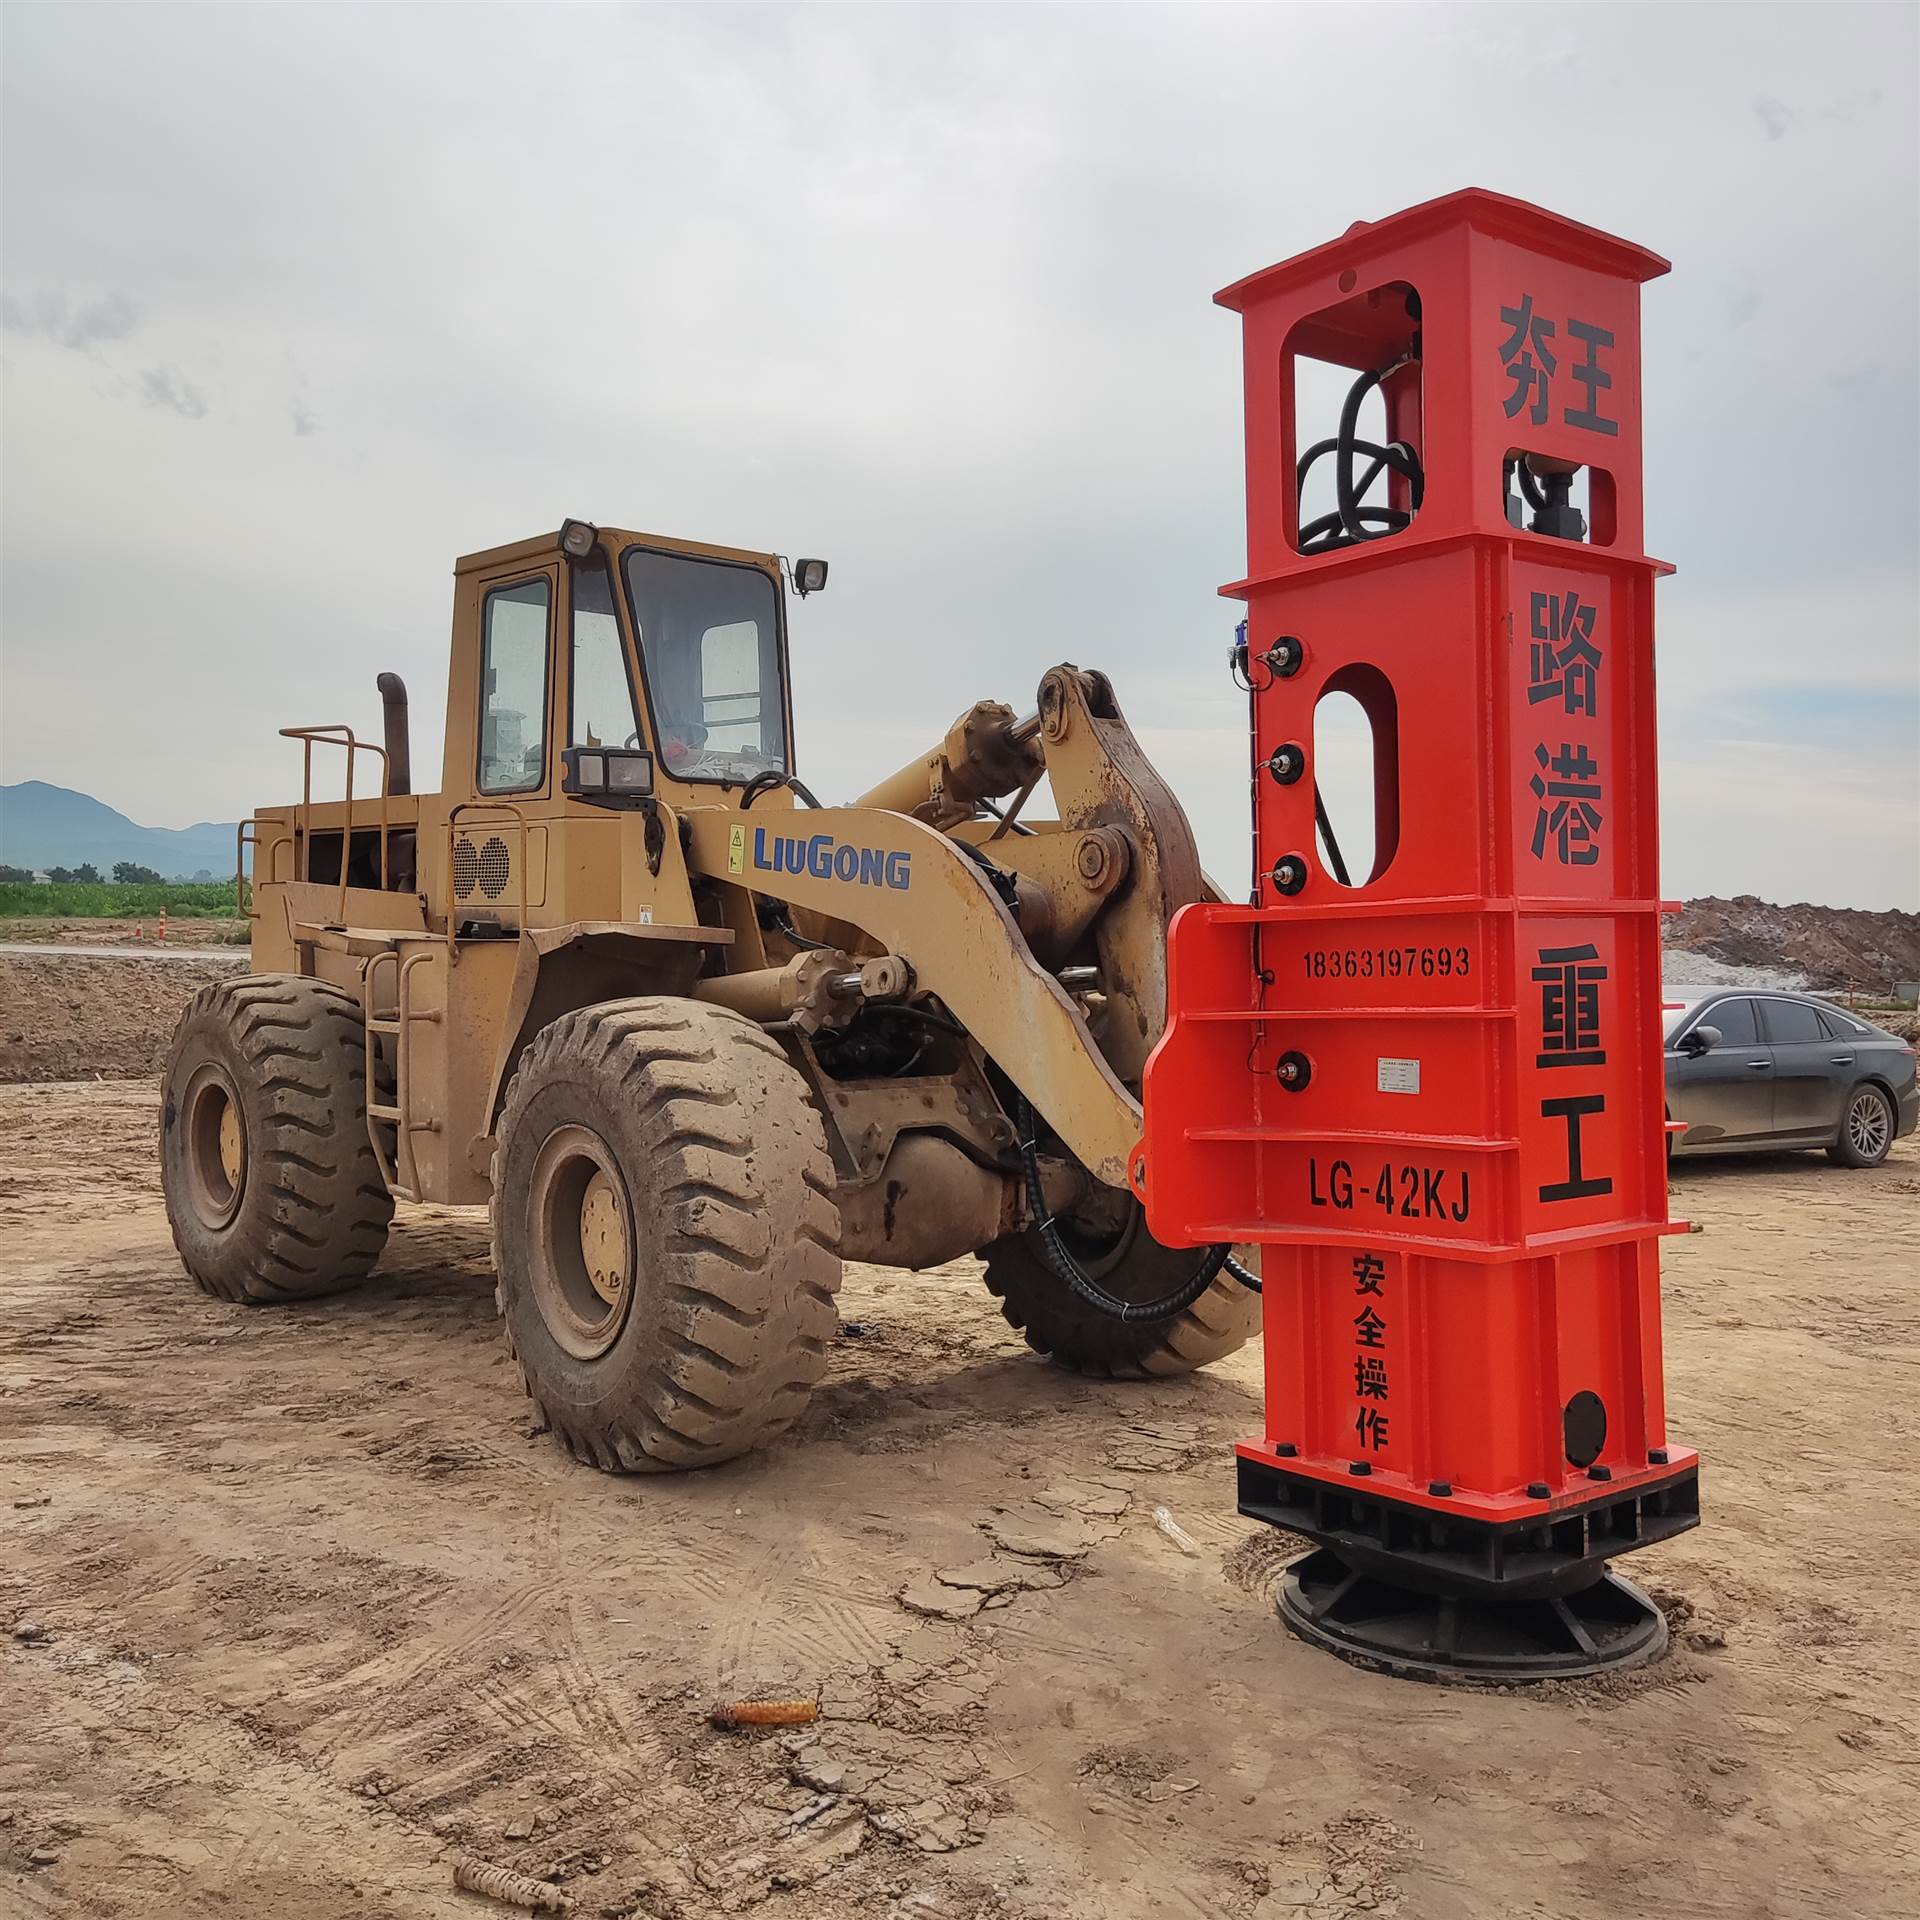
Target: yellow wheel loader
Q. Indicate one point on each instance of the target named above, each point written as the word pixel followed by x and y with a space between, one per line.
pixel 694 1037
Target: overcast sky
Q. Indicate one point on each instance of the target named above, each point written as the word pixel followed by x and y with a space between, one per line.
pixel 300 302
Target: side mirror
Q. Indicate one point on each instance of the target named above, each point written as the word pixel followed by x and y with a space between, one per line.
pixel 809 576
pixel 1702 1040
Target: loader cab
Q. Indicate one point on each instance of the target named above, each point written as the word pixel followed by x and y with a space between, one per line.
pixel 637 643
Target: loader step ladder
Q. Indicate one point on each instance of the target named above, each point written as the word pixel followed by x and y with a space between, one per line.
pixel 397 1167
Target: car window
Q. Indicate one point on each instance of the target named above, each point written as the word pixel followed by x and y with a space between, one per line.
pixel 1841 1027
pixel 1734 1018
pixel 1792 1023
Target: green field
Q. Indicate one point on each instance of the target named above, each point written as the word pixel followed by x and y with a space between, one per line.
pixel 22 900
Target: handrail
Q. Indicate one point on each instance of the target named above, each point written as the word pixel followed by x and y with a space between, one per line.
pixel 454 814
pixel 246 834
pixel 403 1174
pixel 338 735
pixel 374 1023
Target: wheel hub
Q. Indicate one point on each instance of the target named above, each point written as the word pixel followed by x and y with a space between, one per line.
pixel 582 1265
pixel 233 1146
pixel 603 1239
pixel 216 1147
pixel 1867 1124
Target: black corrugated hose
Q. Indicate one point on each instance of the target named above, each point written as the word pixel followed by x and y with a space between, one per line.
pixel 1075 1276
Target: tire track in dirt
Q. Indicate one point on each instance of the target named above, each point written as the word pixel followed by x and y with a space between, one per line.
pixel 390 1688
pixel 735 1652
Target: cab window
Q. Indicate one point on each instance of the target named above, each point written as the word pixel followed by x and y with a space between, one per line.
pixel 709 633
pixel 513 714
pixel 602 708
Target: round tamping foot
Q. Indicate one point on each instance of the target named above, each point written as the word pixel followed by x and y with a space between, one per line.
pixel 1606 1626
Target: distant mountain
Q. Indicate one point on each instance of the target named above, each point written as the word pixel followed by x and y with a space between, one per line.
pixel 43 826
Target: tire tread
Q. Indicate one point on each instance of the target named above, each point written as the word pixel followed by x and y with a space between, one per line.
pixel 1035 1303
pixel 748 1238
pixel 299 1045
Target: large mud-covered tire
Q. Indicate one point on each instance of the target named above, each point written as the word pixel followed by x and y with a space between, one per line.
pixel 1133 1266
pixel 272 1188
pixel 664 1234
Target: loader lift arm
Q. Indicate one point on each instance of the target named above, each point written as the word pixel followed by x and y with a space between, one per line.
pixel 963 945
pixel 1120 860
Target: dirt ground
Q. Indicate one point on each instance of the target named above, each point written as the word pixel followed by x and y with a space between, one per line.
pixel 296 1608
pixel 191 932
pixel 66 1019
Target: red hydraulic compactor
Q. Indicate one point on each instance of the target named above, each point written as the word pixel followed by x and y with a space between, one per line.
pixel 1432 1091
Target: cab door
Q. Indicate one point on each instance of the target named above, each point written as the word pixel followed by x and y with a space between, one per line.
pixel 1725 1095
pixel 501 774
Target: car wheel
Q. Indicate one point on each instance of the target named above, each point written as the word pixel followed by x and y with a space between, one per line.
pixel 1866 1129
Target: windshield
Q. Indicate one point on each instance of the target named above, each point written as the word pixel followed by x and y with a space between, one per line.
pixel 710 645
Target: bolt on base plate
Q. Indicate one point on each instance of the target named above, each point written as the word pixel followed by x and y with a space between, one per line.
pixel 1604 1627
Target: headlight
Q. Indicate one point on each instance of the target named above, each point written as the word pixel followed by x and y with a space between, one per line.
pixel 612 776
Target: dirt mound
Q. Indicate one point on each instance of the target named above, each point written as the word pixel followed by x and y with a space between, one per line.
pixel 1833 947
pixel 60 931
pixel 82 1019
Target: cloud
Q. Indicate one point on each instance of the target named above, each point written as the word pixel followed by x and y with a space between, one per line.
pixel 927 290
pixel 1851 106
pixel 167 386
pixel 84 328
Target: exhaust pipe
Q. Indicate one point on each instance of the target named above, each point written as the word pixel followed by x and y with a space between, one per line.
pixel 393 700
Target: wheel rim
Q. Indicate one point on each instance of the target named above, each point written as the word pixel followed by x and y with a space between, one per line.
pixel 1867 1125
pixel 583 1242
pixel 216 1142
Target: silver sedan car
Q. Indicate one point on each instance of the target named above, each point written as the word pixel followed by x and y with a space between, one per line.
pixel 1749 1070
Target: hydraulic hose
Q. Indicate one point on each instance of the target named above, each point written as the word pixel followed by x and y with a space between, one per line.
pixel 1335 858
pixel 1351 523
pixel 1000 814
pixel 998 878
pixel 775 915
pixel 1069 1270
pixel 768 781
